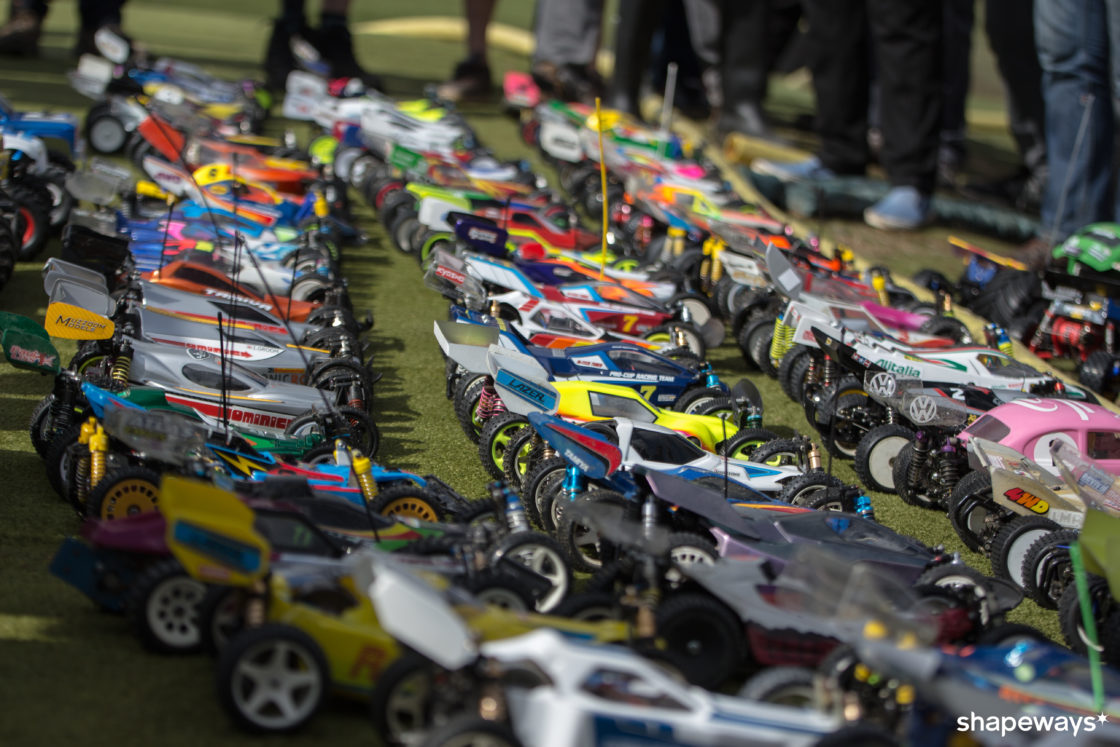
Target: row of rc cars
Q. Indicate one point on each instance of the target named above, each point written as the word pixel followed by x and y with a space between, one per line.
pixel 214 431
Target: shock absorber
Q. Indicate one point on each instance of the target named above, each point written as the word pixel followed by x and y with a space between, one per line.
pixel 489 403
pixel 811 373
pixel 357 397
pixel 1003 342
pixel 676 241
pixel 919 459
pixel 782 339
pixel 892 416
pixel 98 450
pixel 950 466
pixel 122 364
pixel 879 283
pixel 362 470
pixel 813 456
pixel 515 511
pixel 66 391
pixel 828 372
pixel 82 468
pixel 716 273
pixel 255 605
pixel 706 262
pixel 573 484
pixel 863 507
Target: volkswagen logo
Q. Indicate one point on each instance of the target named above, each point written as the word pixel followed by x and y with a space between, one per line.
pixel 882 384
pixel 923 409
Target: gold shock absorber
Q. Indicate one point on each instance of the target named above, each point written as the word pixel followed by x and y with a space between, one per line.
pixel 122 366
pixel 676 241
pixel 366 482
pixel 879 283
pixel 717 266
pixel 255 606
pixel 81 476
pixel 946 303
pixel 782 340
pixel 814 457
pixel 98 449
pixel 706 263
pixel 495 309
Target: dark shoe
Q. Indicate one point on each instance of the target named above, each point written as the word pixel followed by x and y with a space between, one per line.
pixel 20 35
pixel 748 119
pixel 568 82
pixel 337 48
pixel 470 81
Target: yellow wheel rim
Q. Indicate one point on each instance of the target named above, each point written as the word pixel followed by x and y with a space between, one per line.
pixel 130 497
pixel 415 508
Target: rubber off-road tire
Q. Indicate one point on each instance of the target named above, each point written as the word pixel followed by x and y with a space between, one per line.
pixel 33 219
pixel 9 253
pixel 957 578
pixel 40 425
pixel 586 551
pixel 691 400
pixel 469 729
pixel 754 343
pixel 746 443
pixel 58 459
pixel 1097 374
pixel 778 452
pixel 877 453
pixel 841 437
pixel 1069 612
pixel 502 590
pixel 540 489
pixel 788 686
pixel 947 326
pixel 543 555
pixel 809 490
pixel 792 369
pixel 221 616
pixel 590 606
pixel 909 495
pixel 516 462
pixel 1011 543
pixel 969 504
pixel 402 699
pixel 466 397
pixel 1047 569
pixel 408 501
pixel 163 607
pixel 494 439
pixel 706 636
pixel 283 662
pixel 124 492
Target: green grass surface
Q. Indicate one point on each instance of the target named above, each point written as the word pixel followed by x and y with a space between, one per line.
pixel 70 674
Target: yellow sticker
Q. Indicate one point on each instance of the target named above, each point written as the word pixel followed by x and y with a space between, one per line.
pixel 70 322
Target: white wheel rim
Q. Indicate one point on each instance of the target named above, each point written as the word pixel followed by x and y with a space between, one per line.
pixel 1017 553
pixel 276 684
pixel 107 135
pixel 172 611
pixel 880 462
pixel 407 707
pixel 548 563
pixel 586 541
pixel 961 581
pixel 686 556
pixel 501 597
pixel 698 311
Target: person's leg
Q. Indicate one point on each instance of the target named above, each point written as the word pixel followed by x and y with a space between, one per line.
pixel 634 29
pixel 838 30
pixel 567 34
pixel 907 36
pixel 471 76
pixel 1009 25
pixel 20 35
pixel 744 67
pixel 908 48
pixel 1112 9
pixel 1072 42
pixel 956 48
pixel 337 46
pixel 278 58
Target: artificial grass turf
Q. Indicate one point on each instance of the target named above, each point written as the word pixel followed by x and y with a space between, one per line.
pixel 69 673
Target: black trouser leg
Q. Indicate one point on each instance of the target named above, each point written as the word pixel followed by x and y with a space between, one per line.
pixel 1010 28
pixel 908 49
pixel 956 46
pixel 838 34
pixel 637 20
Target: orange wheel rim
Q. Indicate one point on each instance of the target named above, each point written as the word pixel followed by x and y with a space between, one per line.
pixel 415 508
pixel 130 497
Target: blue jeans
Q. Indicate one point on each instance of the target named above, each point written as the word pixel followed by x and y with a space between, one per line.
pixel 1079 50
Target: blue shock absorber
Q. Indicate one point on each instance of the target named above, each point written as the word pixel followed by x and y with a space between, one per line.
pixel 574 483
pixel 863 507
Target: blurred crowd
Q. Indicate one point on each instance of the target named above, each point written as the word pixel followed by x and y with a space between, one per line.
pixel 891 78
